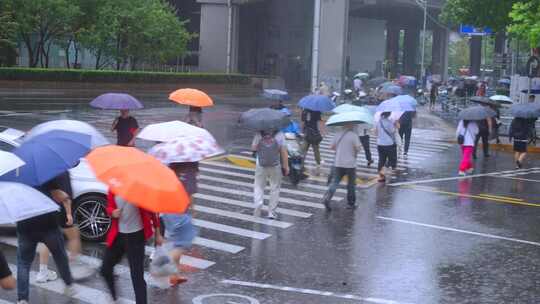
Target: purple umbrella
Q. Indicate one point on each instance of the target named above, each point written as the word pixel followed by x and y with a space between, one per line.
pixel 116 101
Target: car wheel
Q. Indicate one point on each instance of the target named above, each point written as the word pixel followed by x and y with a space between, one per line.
pixel 90 215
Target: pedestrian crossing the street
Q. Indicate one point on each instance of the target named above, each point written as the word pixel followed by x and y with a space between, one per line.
pixel 223 213
pixel 424 145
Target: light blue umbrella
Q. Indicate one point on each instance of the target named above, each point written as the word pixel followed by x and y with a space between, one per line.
pixel 392 89
pixel 396 105
pixel 116 101
pixel 407 102
pixel 319 103
pixel 344 108
pixel 361 75
pixel 354 117
pixel 97 139
pixel 526 110
pixel 276 94
pixel 48 155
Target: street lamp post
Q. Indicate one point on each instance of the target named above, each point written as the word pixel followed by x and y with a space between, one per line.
pixel 422 69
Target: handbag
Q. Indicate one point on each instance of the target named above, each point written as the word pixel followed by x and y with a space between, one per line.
pixel 461 138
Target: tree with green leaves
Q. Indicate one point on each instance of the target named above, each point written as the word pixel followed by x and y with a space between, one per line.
pixel 491 13
pixel 8 36
pixel 525 24
pixel 39 23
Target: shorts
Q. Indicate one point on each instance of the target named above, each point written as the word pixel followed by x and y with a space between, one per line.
pixel 62 218
pixel 520 146
pixel 179 229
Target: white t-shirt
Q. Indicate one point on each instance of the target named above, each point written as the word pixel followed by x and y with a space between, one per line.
pixel 469 133
pixel 357 82
pixel 280 139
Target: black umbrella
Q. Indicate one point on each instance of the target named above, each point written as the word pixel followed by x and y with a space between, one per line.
pixel 476 113
pixel 526 110
pixel 264 119
pixel 485 100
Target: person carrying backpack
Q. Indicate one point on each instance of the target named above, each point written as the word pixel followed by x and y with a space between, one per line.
pixel 312 125
pixel 519 132
pixel 272 156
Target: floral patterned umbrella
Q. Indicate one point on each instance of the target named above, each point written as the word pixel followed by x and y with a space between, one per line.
pixel 189 148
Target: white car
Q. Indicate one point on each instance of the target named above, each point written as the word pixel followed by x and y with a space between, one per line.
pixel 89 194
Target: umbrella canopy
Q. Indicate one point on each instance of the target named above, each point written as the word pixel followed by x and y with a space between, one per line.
pixel 264 119
pixel 397 104
pixel 484 100
pixel 361 75
pixel 476 113
pixel 392 89
pixel 9 162
pixel 344 108
pixel 534 91
pixel 276 94
pixel 19 202
pixel 165 131
pixel 319 103
pixel 375 82
pixel 97 139
pixel 504 81
pixel 355 117
pixel 191 148
pixel 501 99
pixel 191 97
pixel 526 110
pixel 407 102
pixel 47 155
pixel 139 178
pixel 116 101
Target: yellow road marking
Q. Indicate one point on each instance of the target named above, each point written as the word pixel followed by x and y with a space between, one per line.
pixel 473 196
pixel 241 162
pixel 502 197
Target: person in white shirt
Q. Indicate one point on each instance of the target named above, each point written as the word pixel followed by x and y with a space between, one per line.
pixel 466 133
pixel 357 83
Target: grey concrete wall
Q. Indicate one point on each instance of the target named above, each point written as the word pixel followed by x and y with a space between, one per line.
pixel 333 42
pixel 411 46
pixel 367 43
pixel 213 37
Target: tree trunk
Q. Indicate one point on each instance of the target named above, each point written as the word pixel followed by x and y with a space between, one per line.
pixel 98 59
pixel 30 51
pixel 76 63
pixel 67 54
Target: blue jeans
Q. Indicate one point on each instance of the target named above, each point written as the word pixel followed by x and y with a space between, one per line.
pixel 26 252
pixel 337 175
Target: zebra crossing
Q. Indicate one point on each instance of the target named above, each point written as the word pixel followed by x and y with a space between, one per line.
pixel 222 212
pixel 424 145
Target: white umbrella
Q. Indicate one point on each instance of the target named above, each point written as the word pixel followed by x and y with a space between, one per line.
pixel 19 202
pixel 502 99
pixel 9 162
pixel 97 139
pixel 166 131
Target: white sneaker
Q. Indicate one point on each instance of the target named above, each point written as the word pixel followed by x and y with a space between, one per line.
pixel 22 302
pixel 317 171
pixel 257 211
pixel 80 270
pixel 272 215
pixel 43 276
pixel 69 291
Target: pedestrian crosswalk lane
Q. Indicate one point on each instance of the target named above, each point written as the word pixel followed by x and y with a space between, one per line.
pixel 223 211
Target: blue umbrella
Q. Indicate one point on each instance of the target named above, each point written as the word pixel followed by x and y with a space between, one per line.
pixel 504 81
pixel 48 155
pixel 344 108
pixel 276 94
pixel 526 110
pixel 116 101
pixel 319 103
pixel 532 91
pixel 407 102
pixel 354 117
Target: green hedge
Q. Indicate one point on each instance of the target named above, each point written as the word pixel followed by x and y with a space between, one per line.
pixel 35 74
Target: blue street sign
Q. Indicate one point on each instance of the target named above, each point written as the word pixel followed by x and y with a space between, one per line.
pixel 474 31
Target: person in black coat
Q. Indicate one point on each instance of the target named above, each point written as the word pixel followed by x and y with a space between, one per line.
pixel 519 132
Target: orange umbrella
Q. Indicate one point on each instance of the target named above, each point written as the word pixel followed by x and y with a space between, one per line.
pixel 191 97
pixel 139 179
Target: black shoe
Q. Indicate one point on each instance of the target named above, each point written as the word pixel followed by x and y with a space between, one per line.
pixel 351 206
pixel 519 165
pixel 327 206
pixel 369 163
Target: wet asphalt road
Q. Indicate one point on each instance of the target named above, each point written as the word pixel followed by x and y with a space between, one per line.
pixel 426 237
